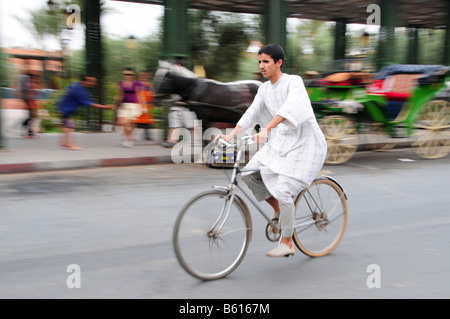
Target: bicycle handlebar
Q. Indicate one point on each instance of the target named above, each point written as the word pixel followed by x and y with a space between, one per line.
pixel 245 139
pixel 222 141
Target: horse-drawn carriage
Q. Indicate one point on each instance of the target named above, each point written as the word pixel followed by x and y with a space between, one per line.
pixel 353 109
pixel 401 101
pixel 212 101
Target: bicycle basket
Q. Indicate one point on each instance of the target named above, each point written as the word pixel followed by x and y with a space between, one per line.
pixel 221 156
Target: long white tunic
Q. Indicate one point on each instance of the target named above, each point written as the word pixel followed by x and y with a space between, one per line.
pixel 296 148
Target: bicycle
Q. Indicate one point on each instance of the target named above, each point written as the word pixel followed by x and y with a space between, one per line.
pixel 214 228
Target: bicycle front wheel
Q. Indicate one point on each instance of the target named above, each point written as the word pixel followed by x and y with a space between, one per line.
pixel 209 243
pixel 320 218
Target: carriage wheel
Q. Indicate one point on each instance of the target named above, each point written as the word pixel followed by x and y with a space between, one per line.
pixel 431 138
pixel 377 138
pixel 341 136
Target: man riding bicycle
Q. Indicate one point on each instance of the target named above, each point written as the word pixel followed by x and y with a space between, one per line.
pixel 295 150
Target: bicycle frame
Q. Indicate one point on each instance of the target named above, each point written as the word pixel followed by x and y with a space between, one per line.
pixel 234 186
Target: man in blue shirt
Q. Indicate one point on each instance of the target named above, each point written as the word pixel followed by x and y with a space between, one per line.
pixel 76 96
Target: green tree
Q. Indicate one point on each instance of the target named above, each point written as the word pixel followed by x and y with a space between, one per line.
pixel 42 25
pixel 310 46
pixel 219 41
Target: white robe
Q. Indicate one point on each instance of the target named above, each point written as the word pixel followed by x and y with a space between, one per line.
pixel 296 148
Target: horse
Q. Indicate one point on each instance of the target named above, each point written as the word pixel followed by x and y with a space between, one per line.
pixel 212 101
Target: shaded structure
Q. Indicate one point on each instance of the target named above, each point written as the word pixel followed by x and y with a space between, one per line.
pixel 388 14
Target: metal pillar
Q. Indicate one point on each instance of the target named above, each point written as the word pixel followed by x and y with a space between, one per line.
pixel 386 43
pixel 446 52
pixel 2 74
pixel 275 22
pixel 339 38
pixel 175 29
pixel 94 60
pixel 413 45
pixel 275 18
pixel 175 41
pixel 1 127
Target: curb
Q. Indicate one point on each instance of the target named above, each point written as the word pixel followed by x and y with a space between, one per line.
pixel 47 166
pixel 82 164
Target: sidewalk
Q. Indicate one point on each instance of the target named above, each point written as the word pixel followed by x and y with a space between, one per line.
pixel 102 149
pixel 99 150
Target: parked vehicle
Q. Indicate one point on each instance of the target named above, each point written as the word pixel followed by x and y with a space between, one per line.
pixel 400 101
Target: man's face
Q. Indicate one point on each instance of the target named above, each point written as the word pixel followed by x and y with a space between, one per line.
pixel 267 66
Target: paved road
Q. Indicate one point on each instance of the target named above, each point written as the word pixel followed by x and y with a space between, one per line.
pixel 115 224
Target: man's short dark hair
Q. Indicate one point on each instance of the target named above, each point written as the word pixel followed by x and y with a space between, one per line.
pixel 274 51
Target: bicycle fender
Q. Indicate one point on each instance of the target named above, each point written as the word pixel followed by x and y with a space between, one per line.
pixel 337 183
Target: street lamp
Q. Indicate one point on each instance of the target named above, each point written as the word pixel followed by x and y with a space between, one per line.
pixel 64 28
pixel 51 5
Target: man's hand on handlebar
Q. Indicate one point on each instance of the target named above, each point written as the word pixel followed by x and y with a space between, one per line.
pixel 247 139
pixel 261 137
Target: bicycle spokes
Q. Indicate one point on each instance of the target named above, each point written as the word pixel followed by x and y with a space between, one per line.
pixel 321 218
pixel 220 239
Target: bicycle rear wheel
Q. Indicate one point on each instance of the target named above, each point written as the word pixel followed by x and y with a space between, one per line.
pixel 320 218
pixel 203 250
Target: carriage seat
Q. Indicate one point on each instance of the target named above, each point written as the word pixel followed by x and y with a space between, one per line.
pixel 396 87
pixel 397 83
pixel 346 79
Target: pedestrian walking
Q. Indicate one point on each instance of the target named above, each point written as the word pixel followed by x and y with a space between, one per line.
pixel 146 119
pixel 180 115
pixel 24 93
pixel 34 106
pixel 130 101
